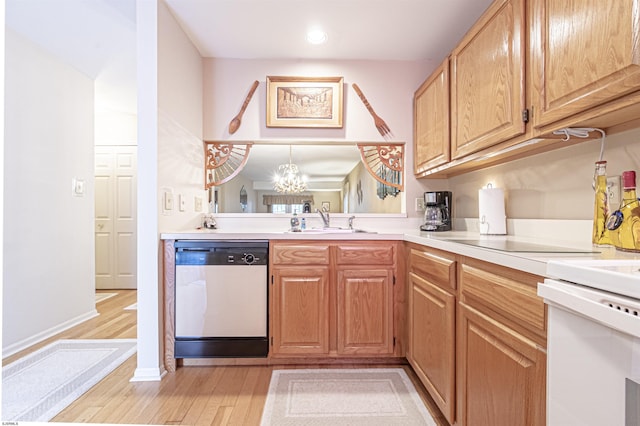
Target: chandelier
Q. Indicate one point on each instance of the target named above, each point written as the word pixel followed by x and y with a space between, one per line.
pixel 288 180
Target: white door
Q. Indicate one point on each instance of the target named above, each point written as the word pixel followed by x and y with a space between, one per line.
pixel 115 210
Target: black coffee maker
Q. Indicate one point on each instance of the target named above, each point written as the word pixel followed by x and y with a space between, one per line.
pixel 437 211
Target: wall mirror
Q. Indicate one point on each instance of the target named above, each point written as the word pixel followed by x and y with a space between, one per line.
pixel 334 176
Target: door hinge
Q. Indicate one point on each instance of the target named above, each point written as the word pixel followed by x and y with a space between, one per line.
pixel 271 341
pixel 394 342
pixel 394 280
pixel 271 279
pixel 525 115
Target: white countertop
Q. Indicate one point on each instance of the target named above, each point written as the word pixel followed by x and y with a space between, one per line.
pixel 531 262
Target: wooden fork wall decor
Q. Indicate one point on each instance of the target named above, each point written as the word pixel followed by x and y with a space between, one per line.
pixel 382 127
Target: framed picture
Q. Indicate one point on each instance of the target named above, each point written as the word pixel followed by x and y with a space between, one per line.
pixel 326 206
pixel 304 101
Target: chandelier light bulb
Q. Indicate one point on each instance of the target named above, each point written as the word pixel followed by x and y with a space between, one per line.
pixel 288 179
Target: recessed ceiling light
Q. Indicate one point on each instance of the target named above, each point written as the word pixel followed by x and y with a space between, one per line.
pixel 316 36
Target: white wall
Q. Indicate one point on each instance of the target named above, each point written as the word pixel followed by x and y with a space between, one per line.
pixel 48 245
pixel 553 185
pixel 170 155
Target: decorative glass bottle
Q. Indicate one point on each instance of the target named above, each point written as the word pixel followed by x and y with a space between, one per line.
pixel 629 230
pixel 601 235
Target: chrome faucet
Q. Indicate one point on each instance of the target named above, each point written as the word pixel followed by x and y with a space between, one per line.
pixel 324 214
pixel 351 222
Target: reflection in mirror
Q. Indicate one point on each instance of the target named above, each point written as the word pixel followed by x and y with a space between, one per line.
pixel 334 174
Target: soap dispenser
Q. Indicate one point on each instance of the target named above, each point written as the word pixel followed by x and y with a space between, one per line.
pixel 295 223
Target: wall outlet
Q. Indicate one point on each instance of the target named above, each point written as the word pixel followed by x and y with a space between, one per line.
pixel 419 204
pixel 613 192
pixel 197 202
pixel 181 202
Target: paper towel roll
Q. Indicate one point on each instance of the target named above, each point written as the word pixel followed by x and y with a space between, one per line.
pixel 493 220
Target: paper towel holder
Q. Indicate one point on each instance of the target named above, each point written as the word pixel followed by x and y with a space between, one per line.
pixel 491 209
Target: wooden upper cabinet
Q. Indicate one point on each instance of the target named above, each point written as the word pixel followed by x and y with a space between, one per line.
pixel 432 140
pixel 488 80
pixel 585 53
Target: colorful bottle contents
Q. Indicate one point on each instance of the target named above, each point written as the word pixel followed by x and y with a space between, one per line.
pixel 627 235
pixel 601 235
pixel 295 223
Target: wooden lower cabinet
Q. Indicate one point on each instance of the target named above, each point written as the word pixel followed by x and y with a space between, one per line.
pixel 300 310
pixel 501 373
pixel 365 311
pixel 432 348
pixel 432 312
pixel 333 299
pixel 477 338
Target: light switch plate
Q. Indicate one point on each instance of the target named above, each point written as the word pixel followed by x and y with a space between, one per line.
pixel 77 187
pixel 197 202
pixel 181 202
pixel 168 200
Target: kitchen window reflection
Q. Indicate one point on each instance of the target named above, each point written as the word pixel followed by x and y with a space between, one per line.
pixel 286 208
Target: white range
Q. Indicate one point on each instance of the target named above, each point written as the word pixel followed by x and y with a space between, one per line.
pixel 593 346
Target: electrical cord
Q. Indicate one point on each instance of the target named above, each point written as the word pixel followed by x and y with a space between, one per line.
pixel 582 132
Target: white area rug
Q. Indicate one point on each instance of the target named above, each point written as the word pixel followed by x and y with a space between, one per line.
pixel 131 307
pixel 101 297
pixel 41 384
pixel 376 396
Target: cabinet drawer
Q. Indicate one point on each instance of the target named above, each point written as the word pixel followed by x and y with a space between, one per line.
pixel 300 254
pixel 512 294
pixel 436 269
pixel 378 254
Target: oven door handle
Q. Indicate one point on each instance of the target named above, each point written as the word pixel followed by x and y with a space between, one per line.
pixel 613 311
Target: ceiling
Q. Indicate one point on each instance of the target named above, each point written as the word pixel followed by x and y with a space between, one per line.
pixel 98 37
pixel 406 30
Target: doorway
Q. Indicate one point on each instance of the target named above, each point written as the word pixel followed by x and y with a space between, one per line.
pixel 115 216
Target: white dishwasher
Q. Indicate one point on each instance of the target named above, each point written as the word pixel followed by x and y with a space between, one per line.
pixel 221 299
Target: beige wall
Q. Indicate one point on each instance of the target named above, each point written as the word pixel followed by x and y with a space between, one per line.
pixel 553 185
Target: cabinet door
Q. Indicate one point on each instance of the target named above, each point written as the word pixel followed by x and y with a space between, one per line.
pixel 501 374
pixel 488 79
pixel 432 142
pixel 300 310
pixel 586 52
pixel 365 311
pixel 432 341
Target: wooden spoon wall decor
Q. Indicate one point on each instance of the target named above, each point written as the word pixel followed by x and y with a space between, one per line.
pixel 235 123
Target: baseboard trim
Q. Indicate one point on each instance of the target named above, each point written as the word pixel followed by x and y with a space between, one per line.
pixel 37 338
pixel 148 375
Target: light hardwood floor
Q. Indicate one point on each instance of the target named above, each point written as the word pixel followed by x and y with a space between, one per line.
pixel 193 395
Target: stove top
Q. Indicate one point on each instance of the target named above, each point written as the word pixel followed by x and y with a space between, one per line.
pixel 619 276
pixel 519 246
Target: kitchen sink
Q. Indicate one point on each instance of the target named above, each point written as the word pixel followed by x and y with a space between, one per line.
pixel 331 230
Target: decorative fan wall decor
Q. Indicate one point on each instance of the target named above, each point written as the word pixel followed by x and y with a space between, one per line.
pixel 223 161
pixel 386 157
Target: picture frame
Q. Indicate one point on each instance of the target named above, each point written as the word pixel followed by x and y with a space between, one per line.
pixel 305 102
pixel 326 206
